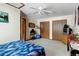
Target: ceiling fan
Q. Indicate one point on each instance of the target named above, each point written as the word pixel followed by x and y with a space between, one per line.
pixel 42 11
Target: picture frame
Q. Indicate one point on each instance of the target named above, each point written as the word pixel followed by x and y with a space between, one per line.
pixel 31 25
pixel 4 17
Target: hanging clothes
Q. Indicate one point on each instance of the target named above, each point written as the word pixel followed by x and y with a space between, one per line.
pixel 65 28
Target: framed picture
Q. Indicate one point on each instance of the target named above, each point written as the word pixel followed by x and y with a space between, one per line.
pixel 4 17
pixel 31 25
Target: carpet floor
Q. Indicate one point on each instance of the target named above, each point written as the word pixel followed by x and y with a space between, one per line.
pixel 52 47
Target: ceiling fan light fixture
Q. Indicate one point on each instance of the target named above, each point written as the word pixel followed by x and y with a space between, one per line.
pixel 40 8
pixel 42 11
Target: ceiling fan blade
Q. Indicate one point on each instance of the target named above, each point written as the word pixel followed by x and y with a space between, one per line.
pixel 53 11
pixel 49 7
pixel 47 11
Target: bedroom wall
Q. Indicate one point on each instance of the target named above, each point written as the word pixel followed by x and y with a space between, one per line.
pixel 10 31
pixel 70 22
pixel 32 21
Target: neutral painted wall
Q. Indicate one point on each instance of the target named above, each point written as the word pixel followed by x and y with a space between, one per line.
pixel 35 22
pixel 70 22
pixel 10 31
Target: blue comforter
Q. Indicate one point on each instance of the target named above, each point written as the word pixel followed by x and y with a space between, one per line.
pixel 21 48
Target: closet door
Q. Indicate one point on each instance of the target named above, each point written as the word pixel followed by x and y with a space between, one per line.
pixel 44 29
pixel 57 29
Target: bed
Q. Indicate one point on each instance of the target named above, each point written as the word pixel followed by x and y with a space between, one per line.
pixel 21 48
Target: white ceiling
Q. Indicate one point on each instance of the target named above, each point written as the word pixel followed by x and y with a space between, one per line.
pixel 59 9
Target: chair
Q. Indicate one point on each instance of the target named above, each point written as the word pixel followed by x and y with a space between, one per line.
pixel 69 38
pixel 73 51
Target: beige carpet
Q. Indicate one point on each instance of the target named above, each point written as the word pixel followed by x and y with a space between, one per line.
pixel 52 47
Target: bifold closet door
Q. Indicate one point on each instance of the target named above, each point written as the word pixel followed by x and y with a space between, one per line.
pixel 44 29
pixel 57 29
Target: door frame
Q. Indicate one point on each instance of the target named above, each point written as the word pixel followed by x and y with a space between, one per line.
pixel 20 27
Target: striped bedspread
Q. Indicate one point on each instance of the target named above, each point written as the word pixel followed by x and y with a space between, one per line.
pixel 21 48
